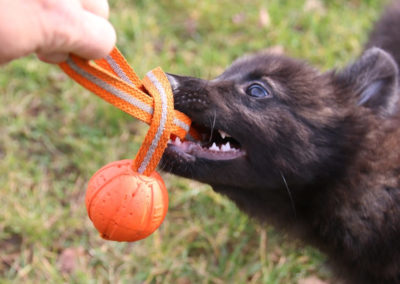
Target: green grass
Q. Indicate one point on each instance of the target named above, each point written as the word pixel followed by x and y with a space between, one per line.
pixel 55 135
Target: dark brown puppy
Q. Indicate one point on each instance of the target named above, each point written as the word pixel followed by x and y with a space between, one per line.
pixel 316 154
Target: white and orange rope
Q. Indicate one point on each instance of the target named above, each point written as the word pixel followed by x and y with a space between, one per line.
pixel 150 100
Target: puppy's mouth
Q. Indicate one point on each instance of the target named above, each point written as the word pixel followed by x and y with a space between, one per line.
pixel 214 144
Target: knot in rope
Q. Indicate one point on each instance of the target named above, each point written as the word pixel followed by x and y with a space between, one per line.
pixel 149 100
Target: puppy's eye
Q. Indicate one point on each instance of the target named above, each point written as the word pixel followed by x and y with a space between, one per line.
pixel 257 91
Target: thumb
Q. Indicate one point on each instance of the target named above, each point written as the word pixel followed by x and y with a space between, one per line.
pixel 92 37
pixel 97 37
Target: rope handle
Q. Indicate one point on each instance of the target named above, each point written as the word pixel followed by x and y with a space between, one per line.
pixel 149 100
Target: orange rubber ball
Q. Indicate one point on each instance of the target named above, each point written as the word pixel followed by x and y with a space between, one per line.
pixel 124 205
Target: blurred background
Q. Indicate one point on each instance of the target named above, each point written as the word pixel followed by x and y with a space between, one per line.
pixel 54 135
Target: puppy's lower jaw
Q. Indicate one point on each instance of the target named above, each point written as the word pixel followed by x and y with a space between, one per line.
pixel 191 150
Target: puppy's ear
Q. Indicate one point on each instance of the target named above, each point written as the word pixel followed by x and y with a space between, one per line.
pixel 373 79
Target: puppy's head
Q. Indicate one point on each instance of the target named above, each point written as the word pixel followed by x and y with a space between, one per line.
pixel 268 117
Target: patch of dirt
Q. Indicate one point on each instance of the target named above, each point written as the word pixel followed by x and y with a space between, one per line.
pixel 10 249
pixel 70 259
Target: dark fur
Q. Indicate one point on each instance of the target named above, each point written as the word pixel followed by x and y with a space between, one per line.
pixel 333 138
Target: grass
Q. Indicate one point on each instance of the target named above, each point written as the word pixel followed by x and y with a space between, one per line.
pixel 55 135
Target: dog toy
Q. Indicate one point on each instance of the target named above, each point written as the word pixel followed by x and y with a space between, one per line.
pixel 127 200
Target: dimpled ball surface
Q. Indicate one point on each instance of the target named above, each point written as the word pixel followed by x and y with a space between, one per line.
pixel 125 205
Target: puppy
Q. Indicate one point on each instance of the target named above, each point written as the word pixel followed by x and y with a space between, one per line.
pixel 315 154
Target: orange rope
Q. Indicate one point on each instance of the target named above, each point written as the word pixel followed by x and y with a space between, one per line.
pixel 150 100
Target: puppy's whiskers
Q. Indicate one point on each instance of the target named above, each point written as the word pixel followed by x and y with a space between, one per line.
pixel 290 195
pixel 212 126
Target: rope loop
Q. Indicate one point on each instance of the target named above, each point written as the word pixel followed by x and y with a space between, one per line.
pixel 149 100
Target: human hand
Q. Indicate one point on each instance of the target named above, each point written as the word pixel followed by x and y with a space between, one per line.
pixel 54 28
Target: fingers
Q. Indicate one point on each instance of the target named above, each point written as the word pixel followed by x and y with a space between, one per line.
pixel 87 34
pixel 97 7
pixel 96 39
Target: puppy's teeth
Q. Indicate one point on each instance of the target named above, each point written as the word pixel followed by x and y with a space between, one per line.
pixel 177 141
pixel 226 147
pixel 214 147
pixel 223 134
pixel 169 141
